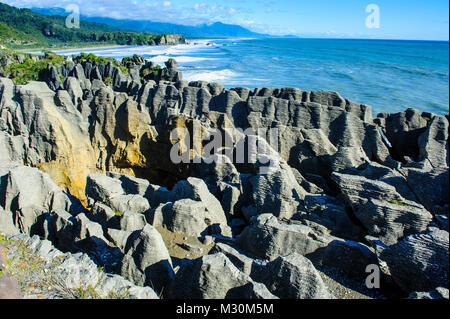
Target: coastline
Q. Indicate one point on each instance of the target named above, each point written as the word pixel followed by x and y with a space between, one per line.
pixel 86 46
pixel 82 103
pixel 65 49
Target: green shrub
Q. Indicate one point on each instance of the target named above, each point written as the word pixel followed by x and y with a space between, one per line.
pixel 399 203
pixel 109 81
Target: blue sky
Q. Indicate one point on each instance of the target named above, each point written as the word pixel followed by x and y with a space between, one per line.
pixel 399 19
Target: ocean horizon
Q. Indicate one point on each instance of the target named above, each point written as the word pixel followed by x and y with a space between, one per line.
pixel 389 75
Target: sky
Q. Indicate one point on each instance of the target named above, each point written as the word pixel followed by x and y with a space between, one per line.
pixel 382 19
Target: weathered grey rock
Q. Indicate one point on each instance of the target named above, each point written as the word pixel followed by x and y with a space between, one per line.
pixel 348 157
pixel 79 271
pixel 438 293
pixel 230 198
pixel 275 188
pixel 132 221
pixel 215 169
pixel 349 256
pixel 78 72
pixel 327 98
pixel 309 187
pixel 430 187
pixel 85 229
pixel 345 124
pixel 278 192
pixel 420 262
pixel 155 217
pixel 117 286
pixel 292 277
pixel 28 193
pixel 269 238
pixel 109 190
pixel 157 195
pixel 239 259
pixel 43 248
pixel 102 188
pixel 215 88
pixel 129 203
pixel 79 234
pixel 58 227
pixel 215 277
pixel 393 177
pixel 381 209
pixel 88 237
pixel 131 185
pixel 242 92
pixel 392 221
pixel 331 213
pixel 310 155
pixel 147 261
pixel 14 148
pixel 118 237
pixel 196 189
pixel 190 217
pixel 403 130
pixel 433 143
pixel 194 101
pixel 7 226
pixel 103 215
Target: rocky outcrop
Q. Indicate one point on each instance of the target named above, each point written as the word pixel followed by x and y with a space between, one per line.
pixel 268 238
pixel 292 277
pixel 54 274
pixel 109 160
pixel 146 261
pixel 380 208
pixel 215 277
pixel 26 194
pixel 419 262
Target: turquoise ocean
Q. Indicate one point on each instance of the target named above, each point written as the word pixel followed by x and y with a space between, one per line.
pixel 389 75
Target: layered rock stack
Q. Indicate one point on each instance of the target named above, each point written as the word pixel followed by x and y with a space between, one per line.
pixel 85 162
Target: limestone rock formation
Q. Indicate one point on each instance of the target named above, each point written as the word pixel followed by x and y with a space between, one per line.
pixel 420 262
pixel 215 277
pixel 146 260
pixel 269 238
pixel 110 160
pixel 292 277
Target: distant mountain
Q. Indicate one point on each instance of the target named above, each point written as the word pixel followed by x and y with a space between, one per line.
pixel 24 27
pixel 215 30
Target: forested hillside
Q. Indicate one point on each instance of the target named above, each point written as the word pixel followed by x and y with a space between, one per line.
pixel 23 27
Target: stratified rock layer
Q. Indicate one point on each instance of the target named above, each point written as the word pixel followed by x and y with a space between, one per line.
pixel 88 163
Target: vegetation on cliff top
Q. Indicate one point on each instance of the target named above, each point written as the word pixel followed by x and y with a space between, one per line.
pixel 24 28
pixel 22 68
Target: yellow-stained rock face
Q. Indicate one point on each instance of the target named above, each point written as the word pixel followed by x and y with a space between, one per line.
pixel 70 176
pixel 109 132
pixel 73 156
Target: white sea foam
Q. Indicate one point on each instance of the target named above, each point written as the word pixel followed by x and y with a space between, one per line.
pixel 160 59
pixel 209 76
pixel 119 51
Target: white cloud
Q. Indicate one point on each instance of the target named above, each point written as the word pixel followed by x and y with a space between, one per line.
pixel 159 11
